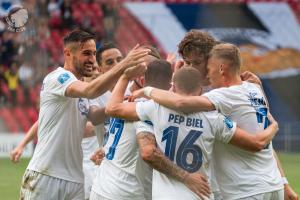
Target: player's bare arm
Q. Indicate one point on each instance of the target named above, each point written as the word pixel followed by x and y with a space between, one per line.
pixel 115 106
pixel 89 130
pixel 157 160
pixel 186 104
pixel 17 152
pixel 96 115
pixel 254 142
pixel 102 83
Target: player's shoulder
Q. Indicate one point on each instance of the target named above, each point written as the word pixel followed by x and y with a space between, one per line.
pixel 147 105
pixel 210 115
pixel 221 90
pixel 145 101
pixel 102 99
pixel 214 118
pixel 249 84
pixel 59 73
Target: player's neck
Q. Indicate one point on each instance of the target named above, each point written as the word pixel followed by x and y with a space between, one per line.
pixel 232 80
pixel 196 93
pixel 72 70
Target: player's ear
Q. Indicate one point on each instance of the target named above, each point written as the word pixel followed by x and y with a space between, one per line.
pixel 100 69
pixel 200 91
pixel 173 88
pixel 221 68
pixel 67 52
pixel 142 81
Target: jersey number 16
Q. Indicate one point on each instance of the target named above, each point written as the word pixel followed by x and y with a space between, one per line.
pixel 187 146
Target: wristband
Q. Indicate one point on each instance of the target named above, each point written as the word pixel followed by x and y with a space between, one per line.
pixel 147 91
pixel 284 180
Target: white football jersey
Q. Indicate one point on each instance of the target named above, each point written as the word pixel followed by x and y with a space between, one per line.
pixel 61 125
pixel 143 170
pixel 187 140
pixel 89 146
pixel 242 173
pixel 101 129
pixel 122 174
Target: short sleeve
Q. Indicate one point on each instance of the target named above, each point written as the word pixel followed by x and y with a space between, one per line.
pixel 96 102
pixel 224 128
pixel 102 100
pixel 221 100
pixel 144 126
pixel 145 110
pixel 60 81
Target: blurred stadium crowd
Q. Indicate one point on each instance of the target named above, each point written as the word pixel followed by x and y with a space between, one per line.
pixel 26 57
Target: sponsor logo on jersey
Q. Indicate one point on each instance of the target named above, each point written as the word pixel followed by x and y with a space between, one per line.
pixel 228 123
pixel 63 78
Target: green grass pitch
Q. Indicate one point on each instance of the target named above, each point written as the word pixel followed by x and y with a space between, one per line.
pixel 11 174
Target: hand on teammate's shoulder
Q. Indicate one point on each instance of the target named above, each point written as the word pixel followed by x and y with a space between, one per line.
pixel 250 77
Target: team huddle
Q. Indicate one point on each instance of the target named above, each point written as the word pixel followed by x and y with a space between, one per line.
pixel 197 130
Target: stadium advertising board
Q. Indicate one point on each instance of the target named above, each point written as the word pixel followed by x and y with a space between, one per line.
pixel 9 141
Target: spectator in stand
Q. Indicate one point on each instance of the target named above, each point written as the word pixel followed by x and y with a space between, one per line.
pixel 66 14
pixel 42 8
pixel 53 7
pixel 26 79
pixel 7 49
pixel 12 78
pixel 110 10
pixel 2 81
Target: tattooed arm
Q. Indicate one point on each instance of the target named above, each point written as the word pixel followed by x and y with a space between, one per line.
pixel 155 158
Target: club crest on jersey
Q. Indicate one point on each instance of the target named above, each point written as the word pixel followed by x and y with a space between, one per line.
pixel 228 123
pixel 82 107
pixel 63 78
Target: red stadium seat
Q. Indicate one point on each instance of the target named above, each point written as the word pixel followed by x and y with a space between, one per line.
pixel 21 117
pixel 32 114
pixel 20 95
pixel 5 90
pixel 10 121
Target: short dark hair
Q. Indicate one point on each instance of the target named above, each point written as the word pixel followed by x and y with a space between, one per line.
pixel 196 41
pixel 186 79
pixel 78 35
pixel 105 46
pixel 159 74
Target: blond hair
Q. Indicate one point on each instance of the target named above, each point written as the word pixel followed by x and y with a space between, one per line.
pixel 229 53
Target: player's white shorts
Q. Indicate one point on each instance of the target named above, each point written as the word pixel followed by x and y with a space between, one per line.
pixel 37 186
pixel 89 170
pixel 275 195
pixel 95 196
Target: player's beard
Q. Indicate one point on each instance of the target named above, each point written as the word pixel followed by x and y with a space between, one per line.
pixel 81 68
